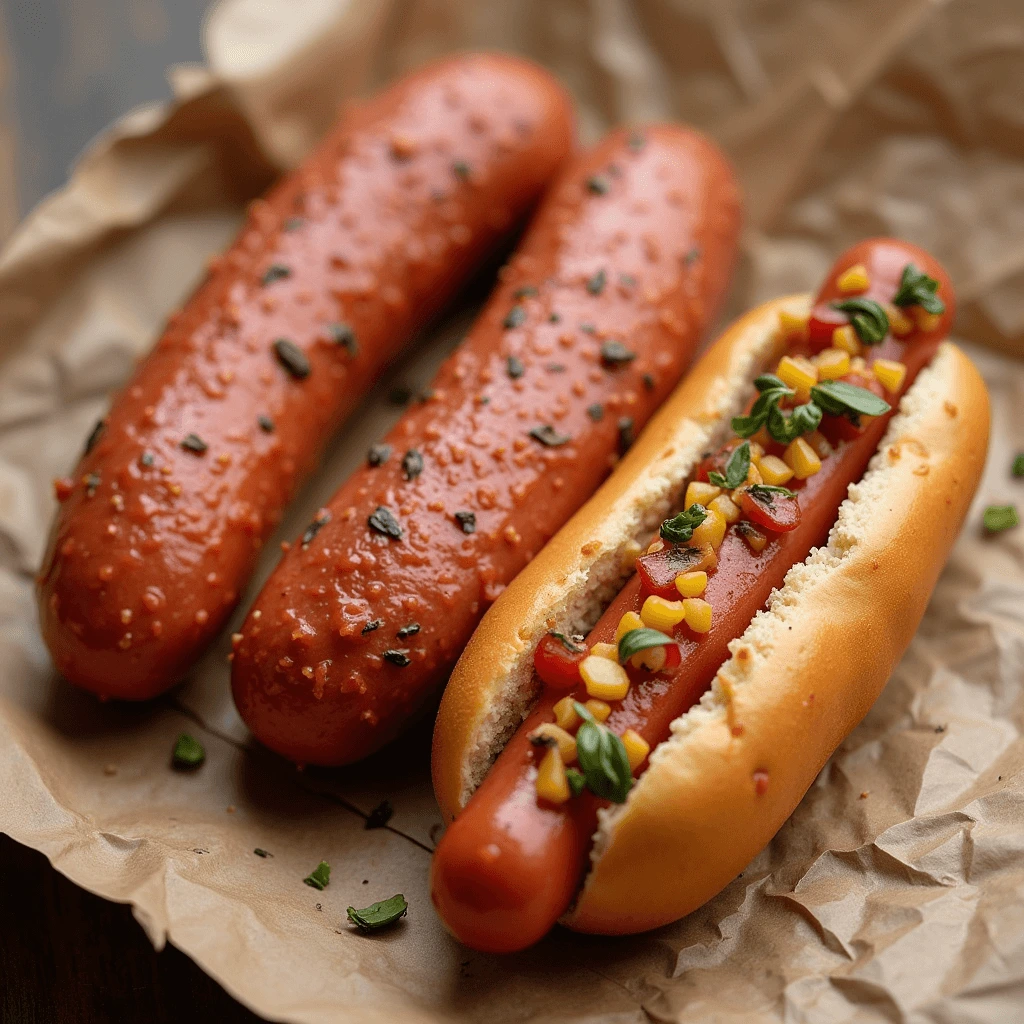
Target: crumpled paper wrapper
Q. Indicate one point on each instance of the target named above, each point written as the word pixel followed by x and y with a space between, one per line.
pixel 896 891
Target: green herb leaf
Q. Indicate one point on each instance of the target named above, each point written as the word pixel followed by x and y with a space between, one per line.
pixel 679 529
pixel 769 382
pixel 567 642
pixel 379 915
pixel 1000 517
pixel 525 292
pixel 869 320
pixel 918 289
pixel 188 752
pixel 736 468
pixel 319 877
pixel 768 399
pixel 602 759
pixel 838 398
pixel 577 781
pixel 461 170
pixel 637 640
pixel 1018 465
pixel 786 427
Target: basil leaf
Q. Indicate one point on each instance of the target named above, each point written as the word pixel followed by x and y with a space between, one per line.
pixel 869 320
pixel 602 759
pixel 786 427
pixel 769 382
pixel 838 398
pixel 379 915
pixel 576 780
pixel 637 640
pixel 918 289
pixel 679 529
pixel 762 408
pixel 567 642
pixel 736 468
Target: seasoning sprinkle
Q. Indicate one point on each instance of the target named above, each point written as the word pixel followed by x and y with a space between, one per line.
pixel 380 815
pixel 94 435
pixel 371 626
pixel 636 142
pixel 378 454
pixel 266 424
pixel 527 291
pixel 466 521
pixel 262 853
pixel 293 223
pixel 555 318
pixel 323 517
pixel 320 877
pixel 92 482
pixel 588 328
pixel 275 272
pixel 555 367
pixel 383 520
pixel 596 412
pixel 515 367
pixel 188 752
pixel 649 381
pixel 625 427
pixel 461 170
pixel 596 284
pixel 598 184
pixel 146 459
pixel 516 318
pixel 627 280
pixel 344 335
pixel 397 656
pixel 614 353
pixel 411 630
pixel 292 358
pixel 412 464
pixel 194 443
pixel 692 256
pixel 548 436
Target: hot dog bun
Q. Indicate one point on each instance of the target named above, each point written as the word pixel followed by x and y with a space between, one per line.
pixel 835 630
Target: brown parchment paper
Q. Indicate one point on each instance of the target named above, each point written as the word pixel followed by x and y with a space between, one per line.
pixel 896 892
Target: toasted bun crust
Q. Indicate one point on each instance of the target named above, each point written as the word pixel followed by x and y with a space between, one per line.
pixel 801 677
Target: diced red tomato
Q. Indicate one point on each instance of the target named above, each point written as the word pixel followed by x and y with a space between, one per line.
pixel 658 570
pixel 557 661
pixel 770 509
pixel 824 320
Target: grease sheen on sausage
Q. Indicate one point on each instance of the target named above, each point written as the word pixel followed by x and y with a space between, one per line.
pixel 509 865
pixel 595 319
pixel 160 526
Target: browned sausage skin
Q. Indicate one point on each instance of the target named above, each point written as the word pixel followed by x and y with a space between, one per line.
pixel 595 319
pixel 161 523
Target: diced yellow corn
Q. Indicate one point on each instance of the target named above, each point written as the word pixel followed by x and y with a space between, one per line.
pixel 890 374
pixel 853 279
pixel 565 715
pixel 564 740
pixel 604 679
pixel 630 553
pixel 754 475
pixel 628 621
pixel 802 459
pixel 755 539
pixel 857 365
pixel 792 325
pixel 699 493
pixel 756 451
pixel 637 748
pixel 598 709
pixel 899 323
pixel 832 364
pixel 698 614
pixel 820 443
pixel 653 659
pixel 691 584
pixel 726 508
pixel 926 321
pixel 605 651
pixel 775 471
pixel 661 614
pixel 845 337
pixel 797 373
pixel 552 785
pixel 711 531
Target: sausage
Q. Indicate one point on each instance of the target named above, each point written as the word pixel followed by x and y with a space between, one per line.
pixel 594 320
pixel 510 866
pixel 182 482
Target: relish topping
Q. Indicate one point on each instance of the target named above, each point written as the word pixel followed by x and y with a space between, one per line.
pixel 824 391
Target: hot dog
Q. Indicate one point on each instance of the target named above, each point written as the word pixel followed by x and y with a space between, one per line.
pixel 593 322
pixel 181 483
pixel 767 651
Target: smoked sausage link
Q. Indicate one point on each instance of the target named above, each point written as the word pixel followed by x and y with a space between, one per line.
pixel 161 524
pixel 593 322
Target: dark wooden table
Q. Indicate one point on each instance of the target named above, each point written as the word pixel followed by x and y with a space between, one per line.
pixel 67 69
